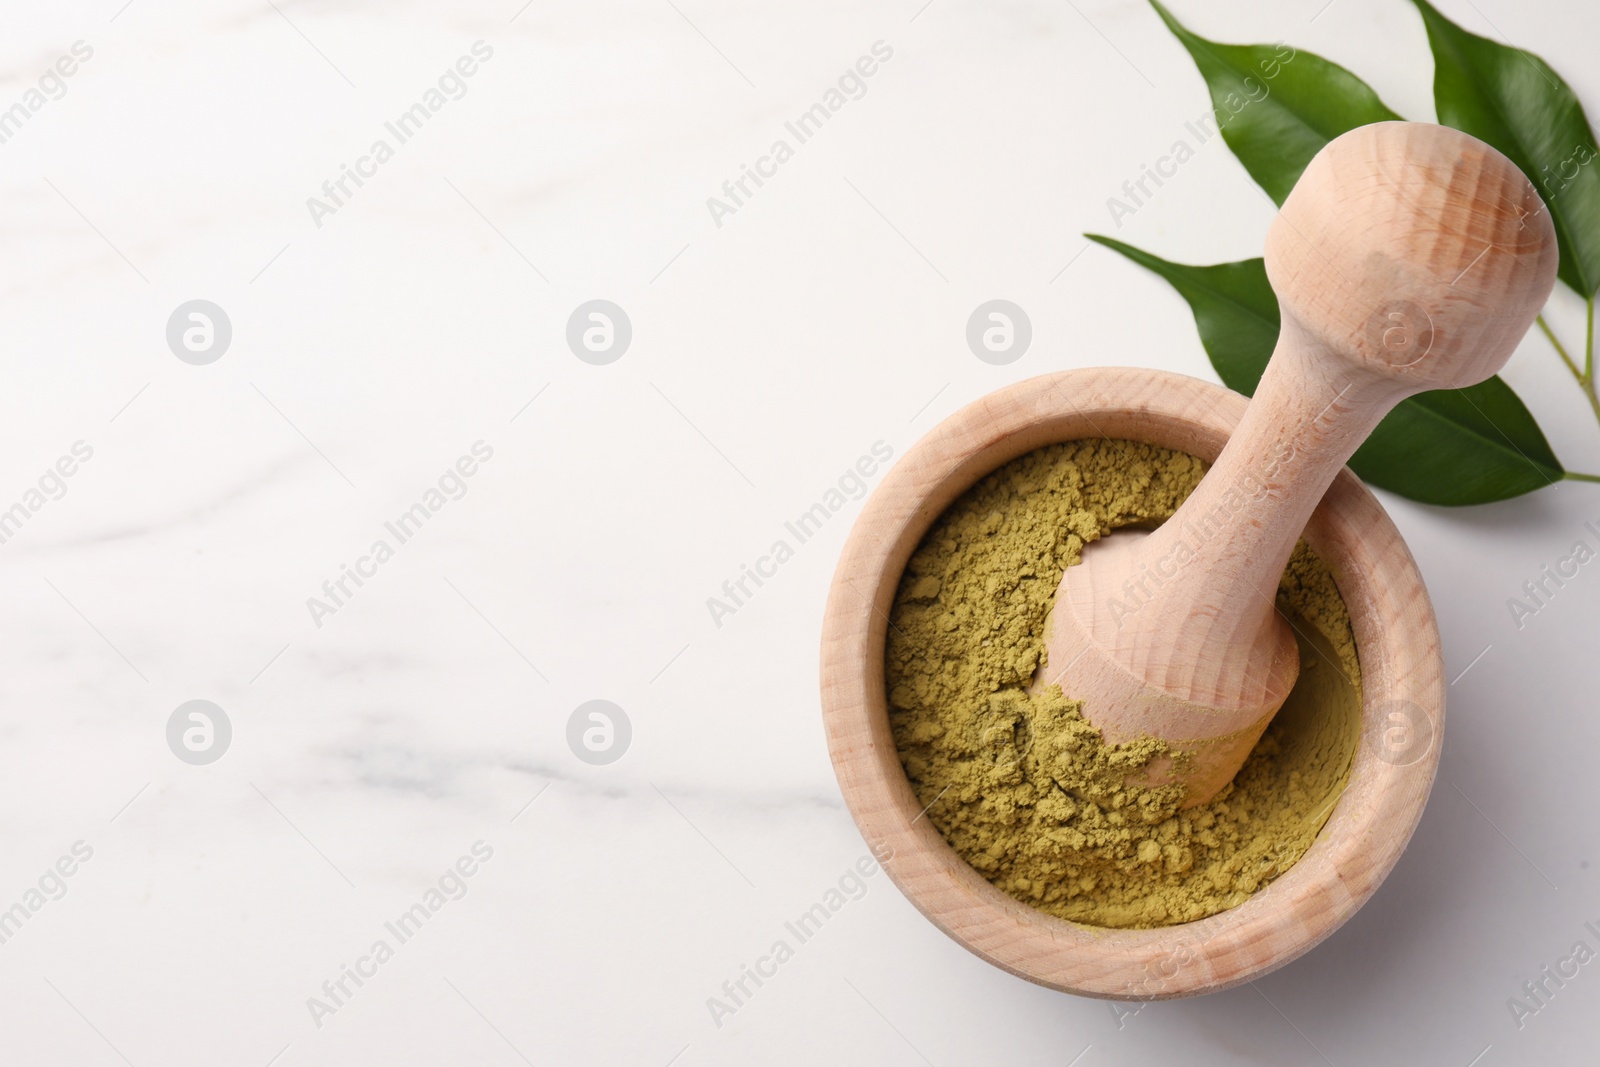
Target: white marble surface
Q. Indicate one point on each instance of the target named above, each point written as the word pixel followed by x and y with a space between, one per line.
pixel 369 353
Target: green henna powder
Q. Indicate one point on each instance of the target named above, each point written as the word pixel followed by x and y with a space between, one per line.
pixel 1021 785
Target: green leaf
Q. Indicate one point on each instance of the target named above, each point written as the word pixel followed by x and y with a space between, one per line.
pixel 1451 446
pixel 1233 306
pixel 1514 101
pixel 1277 107
pixel 1459 446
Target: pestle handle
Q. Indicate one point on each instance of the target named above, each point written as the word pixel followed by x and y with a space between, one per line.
pixel 1408 257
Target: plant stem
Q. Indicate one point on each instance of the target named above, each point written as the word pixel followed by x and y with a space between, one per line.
pixel 1587 388
pixel 1586 382
pixel 1585 377
pixel 1561 350
pixel 1588 350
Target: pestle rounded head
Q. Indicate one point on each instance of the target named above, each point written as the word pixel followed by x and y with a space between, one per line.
pixel 1415 253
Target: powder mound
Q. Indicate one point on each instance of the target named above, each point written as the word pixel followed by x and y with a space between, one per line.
pixel 1024 788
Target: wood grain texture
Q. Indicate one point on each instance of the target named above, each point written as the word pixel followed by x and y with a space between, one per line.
pixel 1402 713
pixel 1408 257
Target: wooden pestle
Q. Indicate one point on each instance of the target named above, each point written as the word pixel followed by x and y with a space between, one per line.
pixel 1408 257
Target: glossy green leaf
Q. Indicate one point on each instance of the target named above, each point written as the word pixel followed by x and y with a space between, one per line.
pixel 1459 446
pixel 1277 106
pixel 1234 309
pixel 1451 446
pixel 1514 101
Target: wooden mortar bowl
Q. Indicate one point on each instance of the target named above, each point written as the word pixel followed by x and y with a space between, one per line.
pixel 1402 714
